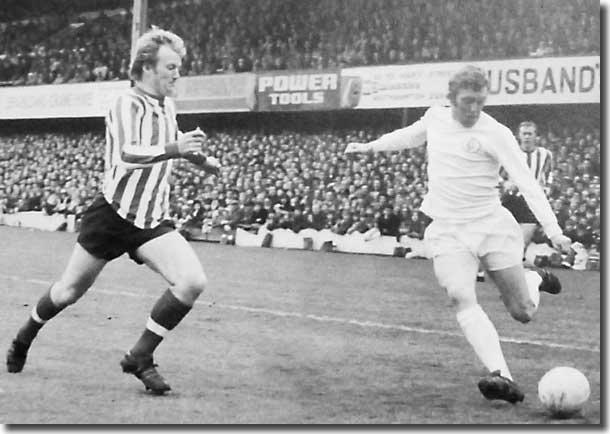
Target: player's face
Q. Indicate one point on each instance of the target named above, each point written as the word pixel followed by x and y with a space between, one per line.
pixel 527 138
pixel 166 71
pixel 468 105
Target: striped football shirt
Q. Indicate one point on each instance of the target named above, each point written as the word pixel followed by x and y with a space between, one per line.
pixel 540 163
pixel 137 167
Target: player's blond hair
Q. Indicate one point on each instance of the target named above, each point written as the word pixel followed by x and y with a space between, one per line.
pixel 528 124
pixel 469 77
pixel 147 47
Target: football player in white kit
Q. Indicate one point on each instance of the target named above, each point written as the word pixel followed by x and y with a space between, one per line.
pixel 466 148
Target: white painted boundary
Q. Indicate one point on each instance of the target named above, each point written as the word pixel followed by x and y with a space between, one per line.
pixel 319 318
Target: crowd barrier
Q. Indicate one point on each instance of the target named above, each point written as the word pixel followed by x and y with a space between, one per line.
pixel 40 220
pixel 372 242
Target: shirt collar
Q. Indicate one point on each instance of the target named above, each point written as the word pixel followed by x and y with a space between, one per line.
pixel 159 99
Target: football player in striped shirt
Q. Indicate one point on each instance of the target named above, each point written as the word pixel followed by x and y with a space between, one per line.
pixel 466 148
pixel 130 216
pixel 540 162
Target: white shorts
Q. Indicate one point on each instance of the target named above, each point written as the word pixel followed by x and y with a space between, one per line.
pixel 496 240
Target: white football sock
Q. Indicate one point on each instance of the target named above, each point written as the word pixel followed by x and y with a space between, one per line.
pixel 533 280
pixel 483 337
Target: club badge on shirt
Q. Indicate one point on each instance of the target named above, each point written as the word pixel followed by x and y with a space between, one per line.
pixel 473 146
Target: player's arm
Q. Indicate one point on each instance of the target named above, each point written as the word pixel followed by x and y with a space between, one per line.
pixel 507 152
pixel 210 164
pixel 547 170
pixel 136 150
pixel 504 183
pixel 409 137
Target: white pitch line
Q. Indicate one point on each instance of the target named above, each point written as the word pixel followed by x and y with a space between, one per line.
pixel 324 318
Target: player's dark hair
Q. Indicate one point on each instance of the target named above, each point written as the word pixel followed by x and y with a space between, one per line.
pixel 469 77
pixel 147 47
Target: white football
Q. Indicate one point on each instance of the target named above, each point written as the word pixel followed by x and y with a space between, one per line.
pixel 563 391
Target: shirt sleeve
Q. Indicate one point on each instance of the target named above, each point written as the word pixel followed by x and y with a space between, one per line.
pixel 507 153
pixel 547 169
pixel 134 137
pixel 409 137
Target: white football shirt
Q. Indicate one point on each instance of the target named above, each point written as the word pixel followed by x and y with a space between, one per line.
pixel 463 167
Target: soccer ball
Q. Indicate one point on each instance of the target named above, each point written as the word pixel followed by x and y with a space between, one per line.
pixel 563 391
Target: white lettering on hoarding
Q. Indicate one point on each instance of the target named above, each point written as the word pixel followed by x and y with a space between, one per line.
pixel 297 89
pixel 298 82
pixel 290 98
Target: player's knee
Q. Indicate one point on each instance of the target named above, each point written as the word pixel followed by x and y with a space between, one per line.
pixel 192 284
pixel 522 313
pixel 461 298
pixel 65 295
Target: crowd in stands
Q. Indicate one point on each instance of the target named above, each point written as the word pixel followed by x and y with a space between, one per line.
pixel 226 36
pixel 289 180
pixel 49 172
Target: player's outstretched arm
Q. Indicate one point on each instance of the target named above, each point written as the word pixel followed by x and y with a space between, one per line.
pixel 507 151
pixel 409 137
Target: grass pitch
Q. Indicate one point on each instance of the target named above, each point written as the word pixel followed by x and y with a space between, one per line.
pixel 282 337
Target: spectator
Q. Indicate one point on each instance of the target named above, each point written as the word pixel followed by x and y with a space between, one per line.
pixel 259 216
pixel 238 36
pixel 299 220
pixel 388 223
pixel 316 218
pixel 302 174
pixel 344 222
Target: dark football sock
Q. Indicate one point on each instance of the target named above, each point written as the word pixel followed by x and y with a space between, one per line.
pixel 28 331
pixel 45 310
pixel 167 312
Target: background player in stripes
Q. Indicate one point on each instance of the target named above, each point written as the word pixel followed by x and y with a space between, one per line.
pixel 540 162
pixel 466 148
pixel 130 216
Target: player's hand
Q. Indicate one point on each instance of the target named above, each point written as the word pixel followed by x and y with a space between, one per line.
pixel 354 147
pixel 561 242
pixel 510 187
pixel 191 141
pixel 198 132
pixel 209 164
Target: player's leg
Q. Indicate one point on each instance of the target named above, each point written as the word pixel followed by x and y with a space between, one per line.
pixel 171 256
pixel 456 272
pixel 79 275
pixel 519 287
pixel 519 291
pixel 455 266
pixel 528 230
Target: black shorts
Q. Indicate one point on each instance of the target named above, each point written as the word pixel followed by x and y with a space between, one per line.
pixel 518 207
pixel 106 235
